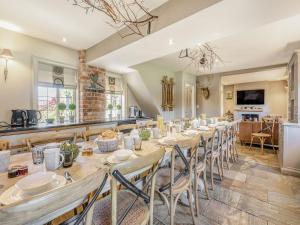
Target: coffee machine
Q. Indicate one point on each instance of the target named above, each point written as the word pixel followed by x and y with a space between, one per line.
pixel 33 117
pixel 18 118
pixel 133 112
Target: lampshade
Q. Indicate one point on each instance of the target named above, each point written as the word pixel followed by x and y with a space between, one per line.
pixel 6 53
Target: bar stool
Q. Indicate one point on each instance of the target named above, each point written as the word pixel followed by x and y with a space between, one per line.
pixel 4 145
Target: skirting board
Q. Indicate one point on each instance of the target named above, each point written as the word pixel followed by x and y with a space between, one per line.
pixel 290 171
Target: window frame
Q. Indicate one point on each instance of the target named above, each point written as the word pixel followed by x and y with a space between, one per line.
pixel 35 84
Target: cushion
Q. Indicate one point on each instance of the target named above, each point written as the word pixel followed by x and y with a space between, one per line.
pixel 138 214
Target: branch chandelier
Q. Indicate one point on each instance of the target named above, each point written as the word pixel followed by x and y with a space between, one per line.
pixel 203 57
pixel 131 14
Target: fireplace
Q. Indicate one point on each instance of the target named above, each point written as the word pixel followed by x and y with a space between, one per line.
pixel 250 117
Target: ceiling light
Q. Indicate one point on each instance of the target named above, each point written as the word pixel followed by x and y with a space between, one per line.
pixel 10 26
pixel 171 41
pixel 64 40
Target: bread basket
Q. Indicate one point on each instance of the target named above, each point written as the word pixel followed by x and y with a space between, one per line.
pixel 107 145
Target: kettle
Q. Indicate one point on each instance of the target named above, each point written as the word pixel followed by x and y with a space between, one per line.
pixel 33 117
pixel 18 117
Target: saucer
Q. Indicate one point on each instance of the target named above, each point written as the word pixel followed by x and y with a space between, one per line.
pixel 14 194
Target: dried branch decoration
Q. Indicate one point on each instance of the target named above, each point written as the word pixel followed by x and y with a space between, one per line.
pixel 123 13
pixel 203 57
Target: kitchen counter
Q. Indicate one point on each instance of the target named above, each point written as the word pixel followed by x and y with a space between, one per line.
pixel 5 131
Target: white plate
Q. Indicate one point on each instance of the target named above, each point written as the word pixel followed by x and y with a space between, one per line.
pixel 122 154
pixel 190 132
pixel 167 140
pixel 205 128
pixel 36 182
pixel 14 194
pixel 113 160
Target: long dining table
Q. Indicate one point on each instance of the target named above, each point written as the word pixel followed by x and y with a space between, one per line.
pixel 87 173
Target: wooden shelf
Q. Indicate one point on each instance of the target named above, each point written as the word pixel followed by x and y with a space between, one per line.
pixel 249 110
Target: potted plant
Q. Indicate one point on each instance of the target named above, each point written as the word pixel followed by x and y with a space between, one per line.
pixel 72 108
pixel 70 152
pixel 61 108
pixel 110 108
pixel 119 108
pixel 145 134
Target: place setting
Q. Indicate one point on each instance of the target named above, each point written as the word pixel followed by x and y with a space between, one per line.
pixel 36 178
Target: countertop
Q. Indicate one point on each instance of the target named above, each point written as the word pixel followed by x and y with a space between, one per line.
pixel 45 126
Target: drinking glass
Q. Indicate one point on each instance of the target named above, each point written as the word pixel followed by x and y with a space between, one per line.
pixel 137 143
pixel 38 155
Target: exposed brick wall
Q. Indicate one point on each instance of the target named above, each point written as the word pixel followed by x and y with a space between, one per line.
pixel 91 103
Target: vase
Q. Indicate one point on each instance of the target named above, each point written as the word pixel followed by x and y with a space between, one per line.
pixel 61 119
pixel 72 119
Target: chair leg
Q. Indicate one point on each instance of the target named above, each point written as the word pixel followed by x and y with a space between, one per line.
pixel 212 173
pixel 235 151
pixel 172 210
pixel 227 156
pixel 222 162
pixel 251 142
pixel 219 168
pixel 205 184
pixel 197 176
pixel 191 204
pixel 272 141
pixel 262 142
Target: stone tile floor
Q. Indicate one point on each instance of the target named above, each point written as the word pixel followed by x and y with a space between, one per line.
pixel 253 192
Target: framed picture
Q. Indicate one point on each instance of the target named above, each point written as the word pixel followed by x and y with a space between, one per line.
pixel 111 80
pixel 229 95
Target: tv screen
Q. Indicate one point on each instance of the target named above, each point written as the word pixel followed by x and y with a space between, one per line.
pixel 251 97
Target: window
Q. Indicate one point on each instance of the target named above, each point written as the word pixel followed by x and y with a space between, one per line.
pixel 56 85
pixel 114 96
pixel 113 105
pixel 49 97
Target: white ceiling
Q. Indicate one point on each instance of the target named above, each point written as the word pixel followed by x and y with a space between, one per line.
pixel 51 20
pixel 267 45
pixel 231 24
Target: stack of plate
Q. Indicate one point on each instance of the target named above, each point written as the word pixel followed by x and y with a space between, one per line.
pixel 121 156
pixel 31 185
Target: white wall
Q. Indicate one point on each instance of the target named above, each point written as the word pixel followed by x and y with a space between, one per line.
pixel 17 91
pixel 151 77
pixel 211 106
pixel 147 83
pixel 276 96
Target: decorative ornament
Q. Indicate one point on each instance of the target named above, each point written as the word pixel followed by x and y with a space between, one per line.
pixel 205 92
pixel 123 13
pixel 167 94
pixel 203 57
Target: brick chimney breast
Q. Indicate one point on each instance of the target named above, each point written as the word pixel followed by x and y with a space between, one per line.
pixel 91 102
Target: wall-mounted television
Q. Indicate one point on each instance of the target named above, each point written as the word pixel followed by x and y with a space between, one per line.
pixel 250 97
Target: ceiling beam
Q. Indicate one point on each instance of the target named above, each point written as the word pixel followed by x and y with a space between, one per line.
pixel 168 13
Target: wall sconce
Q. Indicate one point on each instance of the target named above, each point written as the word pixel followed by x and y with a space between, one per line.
pixel 6 54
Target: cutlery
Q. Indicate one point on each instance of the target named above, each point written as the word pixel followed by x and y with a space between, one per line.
pixel 68 177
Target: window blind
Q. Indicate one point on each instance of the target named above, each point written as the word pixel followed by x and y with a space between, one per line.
pixel 51 75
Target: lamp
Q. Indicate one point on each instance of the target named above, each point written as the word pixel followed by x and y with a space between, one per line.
pixel 6 54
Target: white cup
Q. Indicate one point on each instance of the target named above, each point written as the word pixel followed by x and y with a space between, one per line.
pixel 128 142
pixel 53 158
pixel 178 128
pixel 4 160
pixel 156 133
